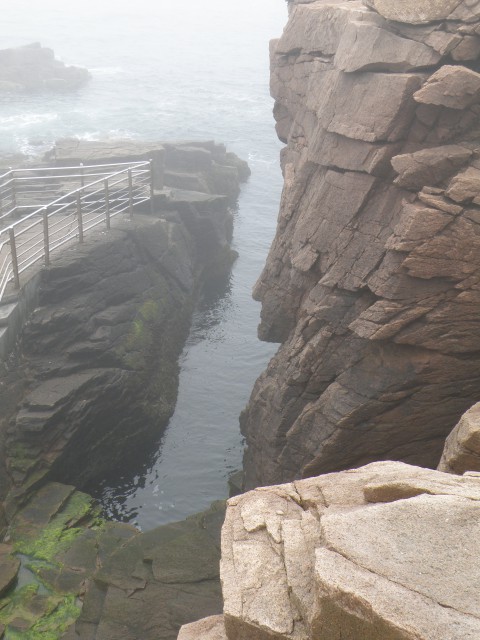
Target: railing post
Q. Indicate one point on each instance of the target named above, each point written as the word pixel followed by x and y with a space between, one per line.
pixel 79 217
pixel 82 177
pixel 130 192
pixel 13 253
pixel 151 186
pixel 46 239
pixel 14 194
pixel 107 203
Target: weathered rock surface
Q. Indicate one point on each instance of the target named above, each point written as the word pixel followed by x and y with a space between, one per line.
pixel 424 11
pixel 197 166
pixel 372 280
pixel 384 551
pixel 462 447
pixel 99 352
pixel 212 628
pixel 34 68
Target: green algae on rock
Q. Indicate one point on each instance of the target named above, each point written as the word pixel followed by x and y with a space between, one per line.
pixel 77 569
pixel 43 535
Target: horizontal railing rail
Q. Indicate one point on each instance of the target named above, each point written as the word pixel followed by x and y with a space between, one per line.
pixel 56 206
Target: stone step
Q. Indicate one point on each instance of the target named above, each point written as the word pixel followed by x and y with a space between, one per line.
pixel 33 421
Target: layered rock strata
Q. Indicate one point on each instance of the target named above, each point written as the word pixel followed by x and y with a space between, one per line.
pixel 371 283
pixel 384 551
pixel 95 375
pixel 35 68
pixel 191 165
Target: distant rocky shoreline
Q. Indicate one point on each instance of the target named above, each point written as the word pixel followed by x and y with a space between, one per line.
pixel 35 68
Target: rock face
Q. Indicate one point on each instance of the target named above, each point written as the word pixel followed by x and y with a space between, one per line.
pixel 462 448
pixel 34 68
pixel 212 628
pixel 155 582
pixel 425 11
pixel 95 376
pixel 384 551
pixel 371 283
pixel 98 355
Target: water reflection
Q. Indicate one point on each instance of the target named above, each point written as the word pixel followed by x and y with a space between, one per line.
pixel 143 467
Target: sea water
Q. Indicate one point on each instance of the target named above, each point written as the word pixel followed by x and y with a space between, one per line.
pixel 172 70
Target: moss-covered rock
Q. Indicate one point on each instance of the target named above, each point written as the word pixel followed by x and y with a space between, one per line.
pixel 48 537
pixel 107 577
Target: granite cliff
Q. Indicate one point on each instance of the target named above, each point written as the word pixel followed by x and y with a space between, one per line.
pixel 371 284
pixel 387 551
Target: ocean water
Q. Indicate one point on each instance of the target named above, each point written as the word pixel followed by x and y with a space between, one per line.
pixel 172 70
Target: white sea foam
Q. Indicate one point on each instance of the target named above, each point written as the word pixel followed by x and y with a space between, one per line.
pixel 106 71
pixel 26 120
pixel 112 134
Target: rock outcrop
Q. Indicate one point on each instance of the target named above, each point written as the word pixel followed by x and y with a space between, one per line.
pixel 190 165
pixel 34 68
pixel 372 280
pixel 95 374
pixel 384 551
pixel 98 356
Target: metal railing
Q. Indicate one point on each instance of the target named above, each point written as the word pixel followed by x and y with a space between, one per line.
pixel 55 206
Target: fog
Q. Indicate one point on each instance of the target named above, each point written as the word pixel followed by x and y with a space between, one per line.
pixel 194 67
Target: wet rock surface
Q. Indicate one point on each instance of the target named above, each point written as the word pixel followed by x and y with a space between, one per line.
pixel 385 551
pixel 156 582
pixel 371 281
pixel 9 567
pixel 34 68
pixel 99 353
pixel 82 577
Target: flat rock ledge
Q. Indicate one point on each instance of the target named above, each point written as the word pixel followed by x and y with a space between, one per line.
pixel 385 551
pixel 35 68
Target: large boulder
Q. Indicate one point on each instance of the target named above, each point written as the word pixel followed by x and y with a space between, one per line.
pixel 462 447
pixel 384 551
